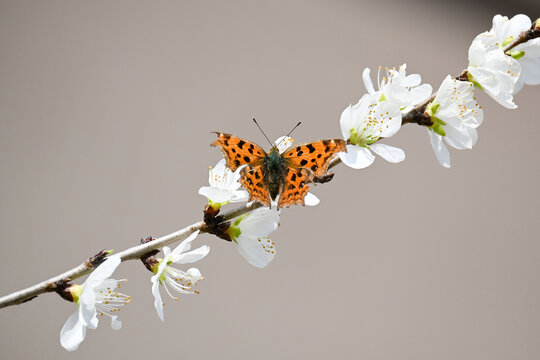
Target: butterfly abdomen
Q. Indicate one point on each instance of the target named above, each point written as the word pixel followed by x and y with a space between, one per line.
pixel 275 169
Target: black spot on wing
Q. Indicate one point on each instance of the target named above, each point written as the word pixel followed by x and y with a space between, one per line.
pixel 311 148
pixel 241 143
pixel 247 159
pixel 303 162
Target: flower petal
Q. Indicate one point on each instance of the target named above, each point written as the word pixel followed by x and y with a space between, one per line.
pixel 260 222
pixel 367 81
pixel 460 138
pixel 357 157
pixel 183 246
pixel 398 95
pixel 102 272
pixel 440 149
pixel 215 194
pixel 420 93
pixel 346 122
pixel 311 200
pixel 388 153
pixel 283 143
pixel 240 196
pixel 73 332
pixel 257 251
pixel 158 303
pixel 115 323
pixel 87 308
pixel 193 255
pixel 194 274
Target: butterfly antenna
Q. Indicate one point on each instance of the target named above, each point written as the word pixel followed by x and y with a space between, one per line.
pixel 290 132
pixel 256 123
pixel 297 125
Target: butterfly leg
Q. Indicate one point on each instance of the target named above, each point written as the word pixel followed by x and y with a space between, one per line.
pixel 323 178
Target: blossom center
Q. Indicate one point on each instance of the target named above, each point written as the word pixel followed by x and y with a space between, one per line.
pixel 109 301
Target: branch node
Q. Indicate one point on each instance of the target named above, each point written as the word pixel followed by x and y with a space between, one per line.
pixel 61 287
pixel 96 260
pixel 149 259
pixel 215 224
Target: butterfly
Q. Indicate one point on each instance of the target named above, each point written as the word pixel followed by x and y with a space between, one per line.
pixel 269 175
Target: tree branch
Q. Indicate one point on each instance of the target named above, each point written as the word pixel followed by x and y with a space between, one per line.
pixel 416 115
pixel 525 36
pixel 133 253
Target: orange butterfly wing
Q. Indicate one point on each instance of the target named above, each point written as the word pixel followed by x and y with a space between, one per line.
pixel 314 156
pixel 295 187
pixel 253 181
pixel 239 152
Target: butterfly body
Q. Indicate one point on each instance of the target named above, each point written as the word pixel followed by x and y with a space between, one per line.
pixel 274 171
pixel 274 175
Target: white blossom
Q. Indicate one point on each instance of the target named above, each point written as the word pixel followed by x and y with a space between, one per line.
pixel 96 296
pixel 171 278
pixel 364 124
pixel 456 115
pixel 399 88
pixel 527 54
pixel 492 71
pixel 224 185
pixel 251 232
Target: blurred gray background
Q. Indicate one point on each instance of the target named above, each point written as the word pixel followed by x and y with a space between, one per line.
pixel 106 109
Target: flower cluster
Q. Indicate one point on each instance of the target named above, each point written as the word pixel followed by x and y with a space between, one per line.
pixel 496 66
